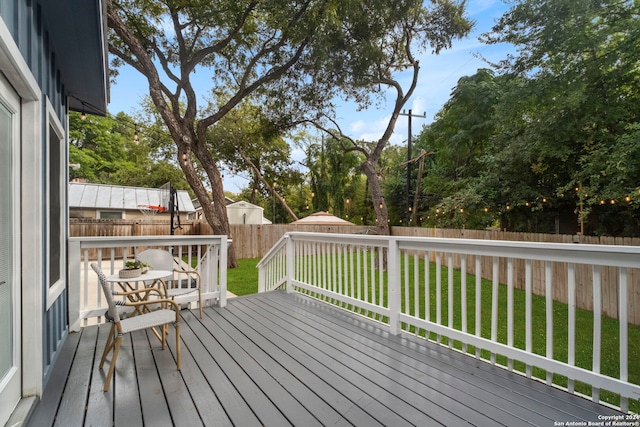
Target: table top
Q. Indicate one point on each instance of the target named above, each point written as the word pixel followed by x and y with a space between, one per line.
pixel 149 275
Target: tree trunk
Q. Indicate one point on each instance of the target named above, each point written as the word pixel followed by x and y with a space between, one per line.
pixel 377 198
pixel 214 208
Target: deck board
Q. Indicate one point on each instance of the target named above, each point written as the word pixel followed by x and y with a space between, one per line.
pixel 431 379
pixel 280 359
pixel 127 408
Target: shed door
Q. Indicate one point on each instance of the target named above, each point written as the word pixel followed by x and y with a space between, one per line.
pixel 10 369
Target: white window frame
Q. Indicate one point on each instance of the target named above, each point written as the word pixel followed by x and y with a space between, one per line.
pixel 54 291
pixel 100 212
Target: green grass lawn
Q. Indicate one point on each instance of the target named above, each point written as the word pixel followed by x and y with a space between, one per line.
pixel 244 280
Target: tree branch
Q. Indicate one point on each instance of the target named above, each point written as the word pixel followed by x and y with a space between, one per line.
pixel 260 177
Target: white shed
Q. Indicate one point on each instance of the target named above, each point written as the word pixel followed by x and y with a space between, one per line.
pixel 245 213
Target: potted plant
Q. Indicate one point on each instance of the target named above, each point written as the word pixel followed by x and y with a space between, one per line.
pixel 133 269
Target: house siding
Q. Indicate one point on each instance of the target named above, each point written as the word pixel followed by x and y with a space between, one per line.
pixel 25 22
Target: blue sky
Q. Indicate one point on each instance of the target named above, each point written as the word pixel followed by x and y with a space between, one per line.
pixel 438 75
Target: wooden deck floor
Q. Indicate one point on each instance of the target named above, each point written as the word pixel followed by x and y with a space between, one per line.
pixel 280 359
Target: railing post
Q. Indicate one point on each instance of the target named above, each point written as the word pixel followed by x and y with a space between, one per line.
pixel 290 253
pixel 223 270
pixel 261 284
pixel 393 278
pixel 74 286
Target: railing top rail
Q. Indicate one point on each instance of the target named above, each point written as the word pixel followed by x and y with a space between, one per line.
pixel 622 256
pixel 614 255
pixel 367 239
pixel 274 250
pixel 115 241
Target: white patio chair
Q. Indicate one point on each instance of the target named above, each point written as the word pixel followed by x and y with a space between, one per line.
pixel 159 317
pixel 181 282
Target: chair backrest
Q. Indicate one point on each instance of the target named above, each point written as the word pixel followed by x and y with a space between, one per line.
pixel 158 259
pixel 106 289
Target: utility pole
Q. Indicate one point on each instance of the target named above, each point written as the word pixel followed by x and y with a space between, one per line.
pixel 409 116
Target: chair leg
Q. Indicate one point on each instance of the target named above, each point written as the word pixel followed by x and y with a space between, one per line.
pixel 200 301
pixel 163 331
pixel 109 345
pixel 112 367
pixel 178 345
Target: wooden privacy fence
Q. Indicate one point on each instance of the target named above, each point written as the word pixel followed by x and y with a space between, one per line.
pixel 254 241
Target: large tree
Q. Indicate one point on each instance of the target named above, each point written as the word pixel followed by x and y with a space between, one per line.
pixel 291 55
pixel 432 24
pixel 570 120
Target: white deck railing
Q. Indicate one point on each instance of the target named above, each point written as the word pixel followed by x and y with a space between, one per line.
pixel 493 300
pixel 86 302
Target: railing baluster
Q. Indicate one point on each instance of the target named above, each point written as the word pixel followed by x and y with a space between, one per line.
pixel 597 327
pixel 438 293
pixel 450 293
pixel 494 306
pixel 359 275
pixel 405 286
pixel 427 292
pixel 571 351
pixel 478 273
pixel 394 286
pixel 365 268
pixel 510 309
pixel 463 296
pixel 549 315
pixel 624 325
pixel 352 279
pixel 528 273
pixel 340 256
pixel 372 263
pixel 381 289
pixel 416 287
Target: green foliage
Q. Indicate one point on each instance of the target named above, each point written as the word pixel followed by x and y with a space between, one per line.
pixel 555 134
pixel 107 153
pixel 333 176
